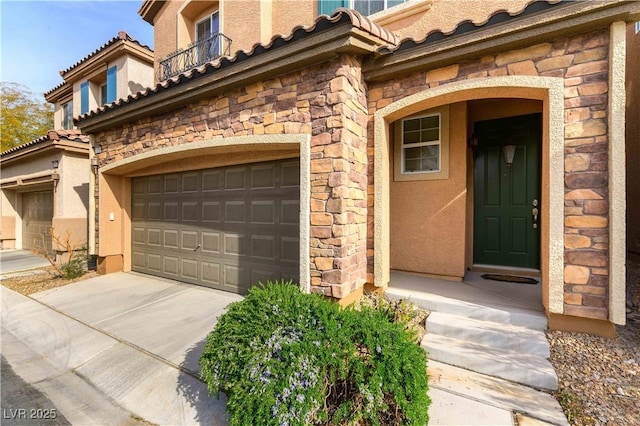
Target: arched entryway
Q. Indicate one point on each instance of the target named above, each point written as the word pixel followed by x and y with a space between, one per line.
pixel 448 248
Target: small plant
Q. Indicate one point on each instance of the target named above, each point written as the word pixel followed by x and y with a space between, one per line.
pixel 73 264
pixel 400 311
pixel 288 358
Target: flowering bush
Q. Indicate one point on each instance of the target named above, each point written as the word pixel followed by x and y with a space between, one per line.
pixel 288 358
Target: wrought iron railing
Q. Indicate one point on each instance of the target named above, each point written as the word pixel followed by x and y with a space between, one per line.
pixel 196 54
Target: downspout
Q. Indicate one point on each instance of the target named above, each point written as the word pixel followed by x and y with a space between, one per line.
pixel 92 199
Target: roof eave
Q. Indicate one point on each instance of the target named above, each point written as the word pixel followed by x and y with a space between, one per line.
pixel 42 147
pixel 109 53
pixel 311 50
pixel 567 19
pixel 150 9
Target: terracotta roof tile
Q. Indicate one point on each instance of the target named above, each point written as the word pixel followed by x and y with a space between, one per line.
pixel 73 135
pixel 321 23
pixel 466 26
pixel 122 36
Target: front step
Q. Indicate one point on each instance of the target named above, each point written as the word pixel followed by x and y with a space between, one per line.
pixel 496 335
pixel 524 368
pixel 494 313
pixel 496 392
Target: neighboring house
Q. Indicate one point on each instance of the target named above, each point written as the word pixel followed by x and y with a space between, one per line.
pixel 633 141
pixel 45 182
pixel 338 152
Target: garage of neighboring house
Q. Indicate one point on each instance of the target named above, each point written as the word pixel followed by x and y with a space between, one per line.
pixel 227 227
pixel 37 220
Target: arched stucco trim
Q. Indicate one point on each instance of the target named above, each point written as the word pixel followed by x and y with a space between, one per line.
pixel 549 90
pixel 128 166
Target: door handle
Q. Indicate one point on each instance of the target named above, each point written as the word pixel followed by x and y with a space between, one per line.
pixel 534 212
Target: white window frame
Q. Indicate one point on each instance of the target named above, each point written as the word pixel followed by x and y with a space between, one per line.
pixel 67 115
pixel 103 94
pixel 637 27
pixel 443 142
pixel 352 5
pixel 207 18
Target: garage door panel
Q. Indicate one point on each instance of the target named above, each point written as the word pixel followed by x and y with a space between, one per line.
pixel 263 176
pixel 263 212
pixel 234 212
pixel 154 184
pixel 234 178
pixel 190 182
pixel 37 220
pixel 170 265
pixel 211 211
pixel 290 212
pixel 190 268
pixel 225 228
pixel 170 239
pixel 211 242
pixel 154 262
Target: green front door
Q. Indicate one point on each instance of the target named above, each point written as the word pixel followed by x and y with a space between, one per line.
pixel 506 228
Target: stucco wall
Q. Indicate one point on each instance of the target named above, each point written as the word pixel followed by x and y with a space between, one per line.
pixel 242 23
pixel 427 216
pixel 165 30
pixel 633 141
pixel 134 76
pixel 442 16
pixel 283 21
pixel 72 192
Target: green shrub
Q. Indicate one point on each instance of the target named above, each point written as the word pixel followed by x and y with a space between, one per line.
pixel 76 266
pixel 288 358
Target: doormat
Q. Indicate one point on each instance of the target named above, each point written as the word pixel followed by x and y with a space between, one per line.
pixel 509 279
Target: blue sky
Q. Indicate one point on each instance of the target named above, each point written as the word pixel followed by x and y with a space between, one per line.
pixel 40 38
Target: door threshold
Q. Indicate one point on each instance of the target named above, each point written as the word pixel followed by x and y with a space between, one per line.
pixel 507 270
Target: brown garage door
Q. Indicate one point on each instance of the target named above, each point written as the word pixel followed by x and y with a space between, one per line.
pixel 226 228
pixel 37 215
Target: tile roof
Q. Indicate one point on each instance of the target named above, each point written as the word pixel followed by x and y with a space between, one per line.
pixel 52 135
pixel 122 36
pixel 322 22
pixel 497 17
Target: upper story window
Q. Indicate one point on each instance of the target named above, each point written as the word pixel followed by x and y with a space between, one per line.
pixel 67 115
pixel 99 90
pixel 364 7
pixel 207 39
pixel 199 40
pixel 637 27
pixel 422 146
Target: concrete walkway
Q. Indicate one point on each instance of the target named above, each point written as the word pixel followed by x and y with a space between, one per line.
pixel 123 347
pixel 13 261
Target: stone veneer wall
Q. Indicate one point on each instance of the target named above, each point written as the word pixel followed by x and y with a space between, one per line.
pixel 583 63
pixel 327 102
pixel 333 103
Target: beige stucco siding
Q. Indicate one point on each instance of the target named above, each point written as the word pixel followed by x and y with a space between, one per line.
pixel 443 16
pixel 73 188
pixel 427 217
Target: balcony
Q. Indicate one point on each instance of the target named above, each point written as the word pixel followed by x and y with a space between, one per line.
pixel 196 54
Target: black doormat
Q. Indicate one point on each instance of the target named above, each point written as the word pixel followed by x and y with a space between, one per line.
pixel 509 278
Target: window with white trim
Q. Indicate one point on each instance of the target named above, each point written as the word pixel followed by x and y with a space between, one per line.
pixel 369 7
pixel 637 27
pixel 422 146
pixel 67 115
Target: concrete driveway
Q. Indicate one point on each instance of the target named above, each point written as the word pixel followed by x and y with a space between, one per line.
pixel 19 260
pixel 136 339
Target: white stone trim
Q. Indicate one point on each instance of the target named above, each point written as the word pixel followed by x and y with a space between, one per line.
pixel 617 184
pixel 551 92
